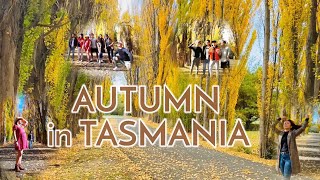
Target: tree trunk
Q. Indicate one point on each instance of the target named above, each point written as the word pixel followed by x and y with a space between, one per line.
pixel 205 111
pixel 39 91
pixel 198 114
pixel 317 74
pixel 263 120
pixel 11 37
pixel 184 54
pixel 310 58
pixel 222 11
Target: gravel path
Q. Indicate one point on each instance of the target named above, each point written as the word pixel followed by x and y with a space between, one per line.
pixel 179 162
pixel 176 162
pixel 34 161
pixel 309 153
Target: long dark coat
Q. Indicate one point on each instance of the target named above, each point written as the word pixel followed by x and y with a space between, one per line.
pixel 293 150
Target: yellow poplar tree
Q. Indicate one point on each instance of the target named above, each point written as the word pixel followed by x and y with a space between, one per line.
pixel 292 42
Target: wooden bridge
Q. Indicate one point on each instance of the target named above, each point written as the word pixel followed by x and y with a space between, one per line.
pixel 93 65
pixel 106 65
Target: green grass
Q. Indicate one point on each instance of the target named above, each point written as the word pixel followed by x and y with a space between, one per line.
pixel 254 140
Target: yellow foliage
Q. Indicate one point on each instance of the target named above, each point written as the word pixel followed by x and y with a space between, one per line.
pixel 165 31
pixel 234 80
pixel 237 16
pixel 106 17
pixel 294 34
pixel 9 115
pixel 57 70
pixel 106 84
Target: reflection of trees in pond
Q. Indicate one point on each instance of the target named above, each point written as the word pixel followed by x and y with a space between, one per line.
pixel 60 101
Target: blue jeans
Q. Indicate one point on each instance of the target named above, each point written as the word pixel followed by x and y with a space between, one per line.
pixel 30 144
pixel 285 165
pixel 205 64
pixel 71 50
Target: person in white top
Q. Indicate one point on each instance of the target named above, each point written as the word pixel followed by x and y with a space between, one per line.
pixel 206 56
pixel 94 47
pixel 99 45
pixel 225 53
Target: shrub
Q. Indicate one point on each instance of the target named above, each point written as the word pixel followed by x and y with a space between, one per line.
pixel 243 149
pixel 314 128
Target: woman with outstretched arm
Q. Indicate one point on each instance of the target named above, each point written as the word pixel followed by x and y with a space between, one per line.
pixel 288 158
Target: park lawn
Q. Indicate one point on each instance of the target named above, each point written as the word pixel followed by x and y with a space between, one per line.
pixel 79 162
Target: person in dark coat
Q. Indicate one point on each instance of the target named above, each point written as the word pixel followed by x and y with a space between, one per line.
pixel 206 56
pixel 73 43
pixel 30 139
pixel 288 157
pixel 196 55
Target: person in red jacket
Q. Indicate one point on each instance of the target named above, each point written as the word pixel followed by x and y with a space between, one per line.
pixel 87 47
pixel 214 52
pixel 80 47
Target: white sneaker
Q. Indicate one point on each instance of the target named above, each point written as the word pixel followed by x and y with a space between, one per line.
pixel 128 65
pixel 115 68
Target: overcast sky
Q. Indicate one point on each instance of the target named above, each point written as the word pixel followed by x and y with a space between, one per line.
pixel 124 5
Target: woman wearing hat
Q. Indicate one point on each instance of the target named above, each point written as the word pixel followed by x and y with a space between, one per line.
pixel 21 140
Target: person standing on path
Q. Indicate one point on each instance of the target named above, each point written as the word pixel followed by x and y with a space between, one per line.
pixel 30 139
pixel 109 47
pixel 87 47
pixel 196 55
pixel 99 45
pixel 94 47
pixel 214 57
pixel 225 53
pixel 288 157
pixel 73 43
pixel 21 142
pixel 206 56
pixel 80 47
pixel 103 46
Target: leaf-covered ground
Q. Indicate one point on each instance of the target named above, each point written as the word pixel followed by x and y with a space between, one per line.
pixel 151 162
pixel 79 162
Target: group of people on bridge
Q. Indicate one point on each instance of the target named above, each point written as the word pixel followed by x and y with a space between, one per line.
pixel 212 54
pixel 89 44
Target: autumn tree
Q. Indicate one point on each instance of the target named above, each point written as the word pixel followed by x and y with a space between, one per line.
pixel 263 118
pixel 311 91
pixel 11 36
pixel 45 75
pixel 292 42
